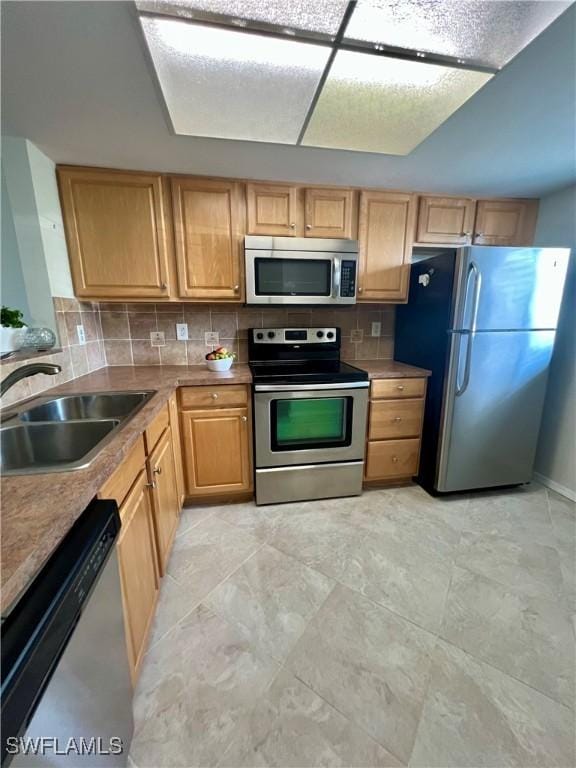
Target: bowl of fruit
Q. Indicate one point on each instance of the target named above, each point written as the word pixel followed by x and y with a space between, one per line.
pixel 220 359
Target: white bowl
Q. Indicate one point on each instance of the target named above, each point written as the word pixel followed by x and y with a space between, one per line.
pixel 220 365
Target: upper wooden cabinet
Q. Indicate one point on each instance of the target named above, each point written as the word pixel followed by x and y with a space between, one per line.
pixel 385 232
pixel 272 209
pixel 208 233
pixel 328 213
pixel 505 222
pixel 445 220
pixel 116 231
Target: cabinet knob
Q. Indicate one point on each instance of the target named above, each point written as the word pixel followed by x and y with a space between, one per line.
pixel 236 288
pixel 157 471
pixel 400 387
pixel 395 459
pixel 163 286
pixel 479 234
pixel 292 225
pixel 397 418
pixel 308 226
pixel 243 418
pixel 151 485
pixel 360 289
pixel 214 395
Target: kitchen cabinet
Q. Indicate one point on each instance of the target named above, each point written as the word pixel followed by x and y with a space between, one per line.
pixel 208 230
pixel 328 213
pixel 273 209
pixel 217 441
pixel 394 429
pixel 138 570
pixel 445 220
pixel 505 222
pixel 177 449
pixel 165 497
pixel 117 233
pixel 385 234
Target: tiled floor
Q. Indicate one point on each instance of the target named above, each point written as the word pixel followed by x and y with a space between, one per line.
pixel 386 630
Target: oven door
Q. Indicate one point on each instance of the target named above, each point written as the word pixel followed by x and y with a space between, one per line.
pixel 311 423
pixel 297 277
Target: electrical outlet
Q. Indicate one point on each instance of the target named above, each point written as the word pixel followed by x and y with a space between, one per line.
pixel 182 331
pixel 81 335
pixel 157 339
pixel 211 338
pixel 357 334
pixel 376 329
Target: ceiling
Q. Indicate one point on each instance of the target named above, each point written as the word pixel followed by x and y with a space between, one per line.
pixel 77 81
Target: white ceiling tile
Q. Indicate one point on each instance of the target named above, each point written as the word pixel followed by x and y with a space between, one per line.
pixel 233 85
pixel 388 105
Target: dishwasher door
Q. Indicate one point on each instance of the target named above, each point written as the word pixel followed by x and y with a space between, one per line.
pixel 87 704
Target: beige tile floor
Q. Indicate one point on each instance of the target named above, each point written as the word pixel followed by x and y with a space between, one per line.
pixel 392 629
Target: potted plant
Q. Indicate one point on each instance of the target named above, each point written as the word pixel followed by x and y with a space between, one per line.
pixel 12 322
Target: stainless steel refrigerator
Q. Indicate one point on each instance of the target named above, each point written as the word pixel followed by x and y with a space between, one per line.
pixel 483 320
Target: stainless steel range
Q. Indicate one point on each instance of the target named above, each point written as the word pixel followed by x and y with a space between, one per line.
pixel 309 415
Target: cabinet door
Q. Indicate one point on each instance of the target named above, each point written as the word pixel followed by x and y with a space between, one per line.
pixel 217 451
pixel 165 501
pixel 328 213
pixel 116 233
pixel 208 236
pixel 445 220
pixel 385 233
pixel 272 209
pixel 505 222
pixel 137 560
pixel 177 448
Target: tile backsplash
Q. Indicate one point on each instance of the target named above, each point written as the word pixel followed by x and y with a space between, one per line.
pixel 126 330
pixel 119 334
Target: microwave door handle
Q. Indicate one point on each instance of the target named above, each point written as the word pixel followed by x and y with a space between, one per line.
pixel 336 278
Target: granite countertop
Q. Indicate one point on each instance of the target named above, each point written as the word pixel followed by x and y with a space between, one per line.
pixel 38 510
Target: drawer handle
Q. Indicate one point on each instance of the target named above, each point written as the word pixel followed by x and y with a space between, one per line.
pixel 397 418
pixel 400 387
pixel 151 485
pixel 395 459
pixel 157 471
pixel 243 418
pixel 214 395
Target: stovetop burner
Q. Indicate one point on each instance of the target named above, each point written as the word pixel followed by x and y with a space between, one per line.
pixel 305 372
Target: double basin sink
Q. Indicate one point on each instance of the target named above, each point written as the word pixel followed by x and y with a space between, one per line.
pixel 63 433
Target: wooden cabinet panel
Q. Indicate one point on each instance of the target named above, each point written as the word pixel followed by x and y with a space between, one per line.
pixel 138 575
pixel 385 233
pixel 165 501
pixel 389 459
pixel 116 232
pixel 202 397
pixel 328 213
pixel 155 429
pixel 217 451
pixel 208 234
pixel 272 209
pixel 395 418
pixel 118 485
pixel 397 388
pixel 505 222
pixel 445 220
pixel 177 447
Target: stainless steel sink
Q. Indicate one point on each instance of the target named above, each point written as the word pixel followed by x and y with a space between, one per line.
pixel 106 405
pixel 59 434
pixel 53 447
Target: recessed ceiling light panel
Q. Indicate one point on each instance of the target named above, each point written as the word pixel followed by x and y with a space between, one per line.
pixel 233 85
pixel 388 105
pixel 490 33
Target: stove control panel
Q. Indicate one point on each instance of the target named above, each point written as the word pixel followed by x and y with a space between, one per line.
pixel 294 335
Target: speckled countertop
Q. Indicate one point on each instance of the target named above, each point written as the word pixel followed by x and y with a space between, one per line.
pixel 38 510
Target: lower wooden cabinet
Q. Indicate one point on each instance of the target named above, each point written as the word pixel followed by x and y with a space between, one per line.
pixel 165 497
pixel 138 570
pixel 394 429
pixel 217 444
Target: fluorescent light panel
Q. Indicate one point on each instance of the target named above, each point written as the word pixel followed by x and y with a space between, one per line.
pixel 389 105
pixel 233 85
pixel 487 32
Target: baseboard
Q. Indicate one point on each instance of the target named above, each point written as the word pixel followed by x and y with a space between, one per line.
pixel 554 486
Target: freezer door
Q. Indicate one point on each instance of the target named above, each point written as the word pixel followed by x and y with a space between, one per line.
pixel 509 288
pixel 492 407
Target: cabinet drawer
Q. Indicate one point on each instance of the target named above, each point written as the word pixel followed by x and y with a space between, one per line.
pixel 222 397
pixel 396 388
pixel 395 418
pixel 117 486
pixel 154 431
pixel 392 458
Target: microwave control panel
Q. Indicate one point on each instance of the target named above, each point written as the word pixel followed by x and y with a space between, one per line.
pixel 348 279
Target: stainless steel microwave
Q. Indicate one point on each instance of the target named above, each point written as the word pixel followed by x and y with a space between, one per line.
pixel 299 270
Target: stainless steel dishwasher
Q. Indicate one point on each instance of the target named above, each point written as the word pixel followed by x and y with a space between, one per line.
pixel 66 695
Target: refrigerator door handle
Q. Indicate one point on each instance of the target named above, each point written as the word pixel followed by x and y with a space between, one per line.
pixel 461 388
pixel 473 271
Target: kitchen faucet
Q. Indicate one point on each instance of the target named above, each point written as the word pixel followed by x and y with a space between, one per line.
pixel 27 370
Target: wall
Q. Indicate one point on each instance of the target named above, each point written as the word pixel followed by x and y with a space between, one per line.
pixel 126 330
pixel 13 288
pixel 556 455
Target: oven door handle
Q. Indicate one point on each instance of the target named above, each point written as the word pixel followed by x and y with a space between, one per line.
pixel 336 278
pixel 310 387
